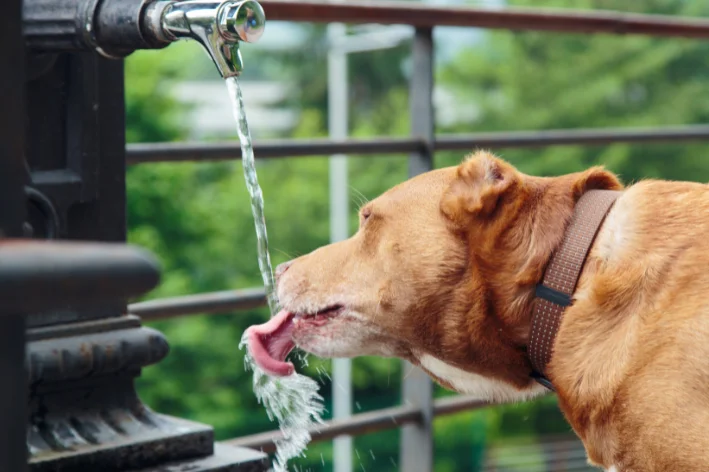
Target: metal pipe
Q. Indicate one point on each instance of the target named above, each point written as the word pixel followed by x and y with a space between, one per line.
pixel 114 28
pixel 559 20
pixel 565 137
pixel 362 423
pixel 337 113
pixel 171 152
pixel 416 440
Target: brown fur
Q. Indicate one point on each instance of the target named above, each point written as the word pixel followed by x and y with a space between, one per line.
pixel 445 264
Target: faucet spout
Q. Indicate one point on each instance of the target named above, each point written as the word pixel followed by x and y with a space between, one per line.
pixel 218 26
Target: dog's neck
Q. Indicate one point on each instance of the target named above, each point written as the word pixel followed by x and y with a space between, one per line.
pixel 555 292
pixel 545 208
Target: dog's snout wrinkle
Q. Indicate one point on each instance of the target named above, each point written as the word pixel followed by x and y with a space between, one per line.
pixel 281 269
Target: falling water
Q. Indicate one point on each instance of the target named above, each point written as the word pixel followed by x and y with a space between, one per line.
pixel 294 400
pixel 248 161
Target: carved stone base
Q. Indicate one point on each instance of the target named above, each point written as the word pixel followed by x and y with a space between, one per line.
pixel 224 459
pixel 85 414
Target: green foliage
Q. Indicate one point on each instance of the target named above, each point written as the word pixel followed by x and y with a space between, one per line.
pixel 528 80
pixel 195 216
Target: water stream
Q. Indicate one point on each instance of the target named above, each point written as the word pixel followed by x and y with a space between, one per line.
pixel 294 400
pixel 249 163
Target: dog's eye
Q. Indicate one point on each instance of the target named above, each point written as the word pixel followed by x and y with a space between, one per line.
pixel 366 213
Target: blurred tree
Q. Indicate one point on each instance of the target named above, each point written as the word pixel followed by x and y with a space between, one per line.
pixel 529 80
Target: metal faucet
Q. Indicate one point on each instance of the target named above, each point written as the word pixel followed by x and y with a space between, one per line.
pixel 116 28
pixel 218 26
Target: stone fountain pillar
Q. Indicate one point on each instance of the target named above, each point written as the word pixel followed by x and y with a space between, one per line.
pixel 82 357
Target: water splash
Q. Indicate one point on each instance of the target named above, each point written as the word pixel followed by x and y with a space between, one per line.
pixel 294 400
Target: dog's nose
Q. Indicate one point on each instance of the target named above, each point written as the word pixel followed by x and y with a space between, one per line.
pixel 281 269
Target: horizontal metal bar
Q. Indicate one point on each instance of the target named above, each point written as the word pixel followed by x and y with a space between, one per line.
pixel 535 464
pixel 387 418
pixel 159 152
pixel 213 302
pixel 455 404
pixel 362 423
pixel 41 275
pixel 585 136
pixel 163 152
pixel 559 20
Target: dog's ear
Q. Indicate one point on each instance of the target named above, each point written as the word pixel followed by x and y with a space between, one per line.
pixel 594 178
pixel 481 181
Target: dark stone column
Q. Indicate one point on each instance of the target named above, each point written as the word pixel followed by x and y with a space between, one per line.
pixel 83 357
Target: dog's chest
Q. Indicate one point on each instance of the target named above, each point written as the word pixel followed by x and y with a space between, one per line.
pixel 478 386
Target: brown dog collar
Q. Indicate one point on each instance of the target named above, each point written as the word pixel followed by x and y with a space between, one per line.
pixel 554 294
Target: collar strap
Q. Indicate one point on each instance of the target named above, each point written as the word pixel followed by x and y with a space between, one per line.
pixel 555 293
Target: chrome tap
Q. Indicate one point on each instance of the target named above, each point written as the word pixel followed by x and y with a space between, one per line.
pixel 116 28
pixel 218 26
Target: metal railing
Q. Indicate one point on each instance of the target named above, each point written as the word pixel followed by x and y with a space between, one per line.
pixel 416 415
pixel 288 148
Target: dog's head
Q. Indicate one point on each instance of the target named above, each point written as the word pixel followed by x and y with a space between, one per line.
pixel 441 272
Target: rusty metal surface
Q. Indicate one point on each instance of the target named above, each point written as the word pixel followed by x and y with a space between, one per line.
pixel 37 275
pixel 213 302
pixel 165 152
pixel 416 14
pixel 94 354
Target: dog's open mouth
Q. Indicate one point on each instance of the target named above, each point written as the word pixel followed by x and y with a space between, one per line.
pixel 271 342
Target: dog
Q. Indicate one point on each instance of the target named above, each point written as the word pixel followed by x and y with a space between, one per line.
pixel 443 273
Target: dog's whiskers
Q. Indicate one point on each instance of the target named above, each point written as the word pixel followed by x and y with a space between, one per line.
pixel 362 199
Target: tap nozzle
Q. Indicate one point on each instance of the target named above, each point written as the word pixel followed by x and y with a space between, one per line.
pixel 218 26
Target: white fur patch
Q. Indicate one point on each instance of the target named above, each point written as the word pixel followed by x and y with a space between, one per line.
pixel 612 469
pixel 482 388
pixel 616 231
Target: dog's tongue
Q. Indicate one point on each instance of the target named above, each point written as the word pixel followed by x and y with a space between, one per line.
pixel 270 343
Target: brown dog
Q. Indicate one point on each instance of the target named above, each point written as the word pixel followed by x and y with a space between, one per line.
pixel 442 273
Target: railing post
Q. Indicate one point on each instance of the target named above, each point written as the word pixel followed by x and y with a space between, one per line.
pixel 416 450
pixel 337 109
pixel 13 395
